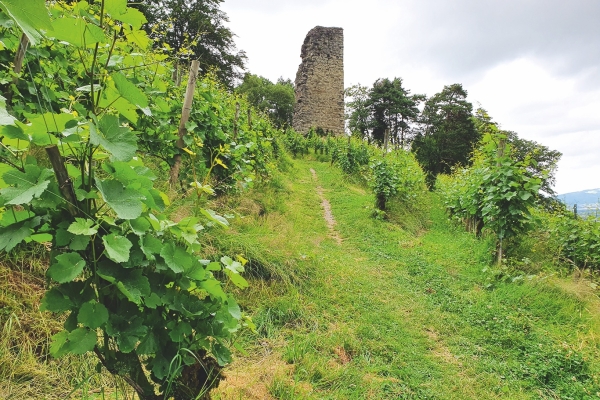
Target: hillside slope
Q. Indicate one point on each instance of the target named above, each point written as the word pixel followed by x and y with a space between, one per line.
pixel 389 313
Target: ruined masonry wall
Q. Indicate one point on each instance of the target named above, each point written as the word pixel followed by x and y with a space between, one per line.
pixel 320 82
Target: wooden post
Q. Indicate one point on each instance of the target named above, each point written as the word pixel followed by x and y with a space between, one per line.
pixel 62 177
pixel 499 155
pixel 235 121
pixel 386 141
pixel 249 119
pixel 18 65
pixel 185 116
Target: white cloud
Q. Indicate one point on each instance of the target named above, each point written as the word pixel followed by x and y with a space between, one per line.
pixel 534 65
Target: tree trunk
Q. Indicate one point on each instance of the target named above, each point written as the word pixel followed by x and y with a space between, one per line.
pixel 62 178
pixel 380 202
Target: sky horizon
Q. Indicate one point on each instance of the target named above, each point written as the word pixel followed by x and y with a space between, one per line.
pixel 533 65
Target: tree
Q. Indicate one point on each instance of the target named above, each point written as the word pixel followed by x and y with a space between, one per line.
pixel 508 190
pixel 392 108
pixel 387 105
pixel 194 29
pixel 448 135
pixel 358 113
pixel 276 100
pixel 544 161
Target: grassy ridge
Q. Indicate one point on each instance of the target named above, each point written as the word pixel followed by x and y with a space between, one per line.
pixel 404 313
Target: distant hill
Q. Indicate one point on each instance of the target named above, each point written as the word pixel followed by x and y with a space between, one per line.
pixel 589 196
pixel 585 199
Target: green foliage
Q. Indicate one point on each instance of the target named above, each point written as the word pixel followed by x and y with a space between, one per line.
pixel 235 151
pixel 448 136
pixel 30 19
pixel 274 99
pixel 295 143
pixel 496 193
pixel 545 160
pixel 119 267
pixel 351 155
pixel 577 240
pixel 384 181
pixel 387 105
pixel 194 30
pixel 396 176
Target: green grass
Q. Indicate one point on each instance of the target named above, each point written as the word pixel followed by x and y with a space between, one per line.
pixel 26 369
pixel 405 307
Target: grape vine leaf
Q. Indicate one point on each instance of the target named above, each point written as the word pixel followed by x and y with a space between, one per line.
pixel 127 203
pixel 78 32
pixel 16 233
pixel 58 348
pixel 134 18
pixel 176 258
pixel 179 330
pixel 117 247
pixel 148 345
pixel 221 353
pixel 131 282
pixel 118 140
pixel 129 91
pixel 28 184
pixel 5 117
pixel 140 226
pixel 115 7
pixel 81 340
pixel 92 315
pixel 13 132
pixel 213 288
pixel 30 16
pixel 150 246
pixel 55 301
pixel 83 226
pixel 66 267
pixel 233 308
pixel 137 36
pixel 196 273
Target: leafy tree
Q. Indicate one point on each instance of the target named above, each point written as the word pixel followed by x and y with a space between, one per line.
pixel 496 193
pixel 509 190
pixel 448 134
pixel 544 161
pixel 387 105
pixel 392 107
pixel 194 29
pixel 276 100
pixel 358 113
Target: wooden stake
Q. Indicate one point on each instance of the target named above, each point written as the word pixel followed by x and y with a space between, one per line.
pixel 185 116
pixel 62 177
pixel 235 121
pixel 386 141
pixel 250 120
pixel 18 64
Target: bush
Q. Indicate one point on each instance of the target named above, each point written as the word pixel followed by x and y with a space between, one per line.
pixel 351 155
pixel 578 240
pixel 397 176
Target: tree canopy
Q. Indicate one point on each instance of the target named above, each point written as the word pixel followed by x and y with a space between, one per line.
pixel 386 105
pixel 275 99
pixel 447 135
pixel 543 160
pixel 195 29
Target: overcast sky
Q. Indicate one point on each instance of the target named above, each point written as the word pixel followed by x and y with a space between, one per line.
pixel 534 65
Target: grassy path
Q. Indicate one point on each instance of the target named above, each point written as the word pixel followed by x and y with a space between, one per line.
pixel 384 313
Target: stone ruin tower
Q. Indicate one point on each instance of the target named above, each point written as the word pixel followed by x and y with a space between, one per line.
pixel 320 82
